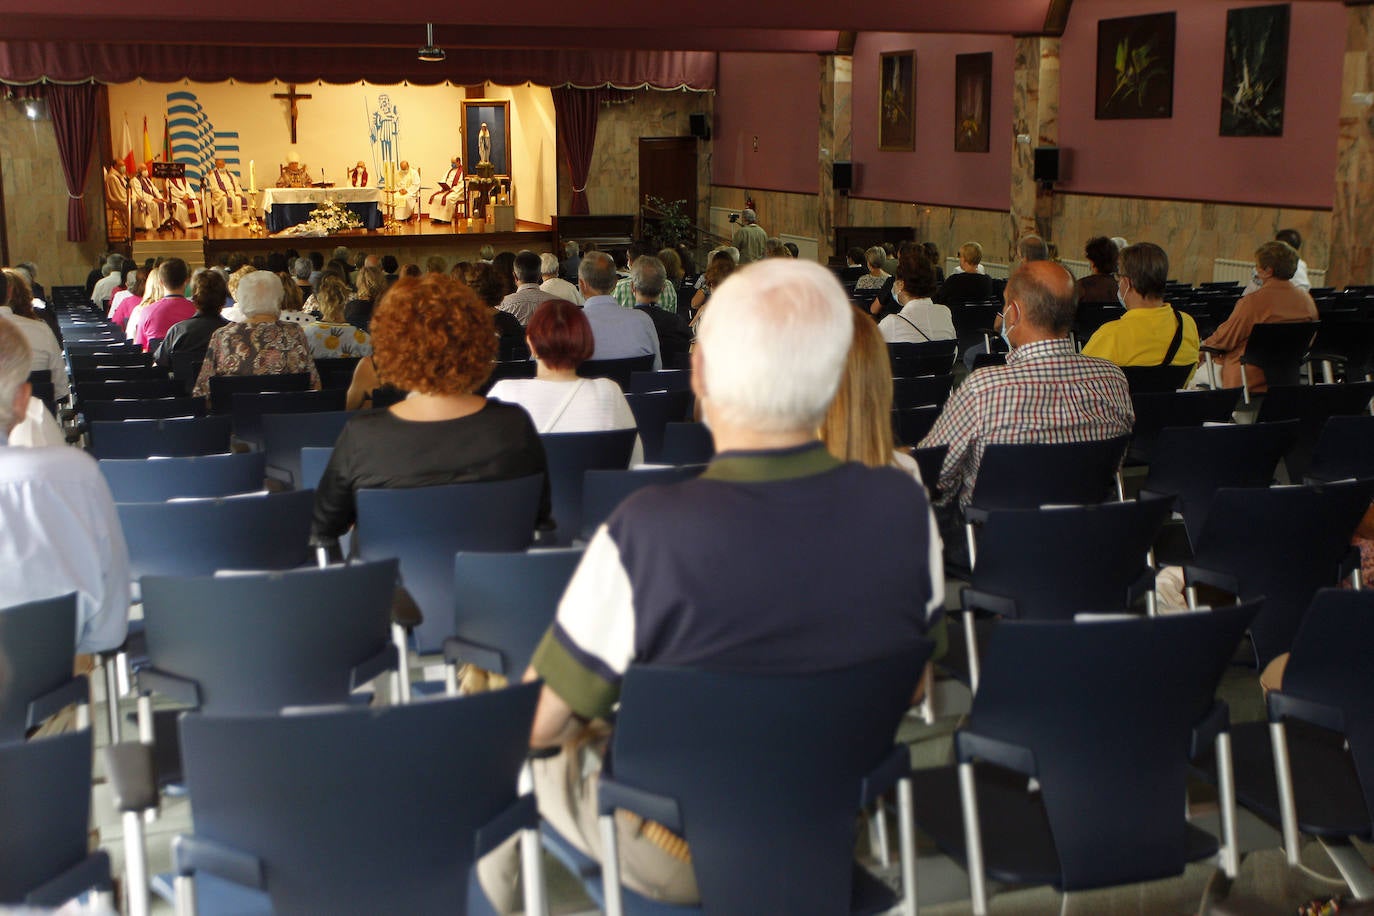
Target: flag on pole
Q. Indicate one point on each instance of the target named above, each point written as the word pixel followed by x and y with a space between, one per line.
pixel 126 149
pixel 166 139
pixel 147 143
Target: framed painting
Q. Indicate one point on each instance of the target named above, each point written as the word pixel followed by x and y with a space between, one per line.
pixel 494 115
pixel 1135 67
pixel 1255 72
pixel 897 100
pixel 972 102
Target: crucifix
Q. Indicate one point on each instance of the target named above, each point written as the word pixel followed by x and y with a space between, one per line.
pixel 292 96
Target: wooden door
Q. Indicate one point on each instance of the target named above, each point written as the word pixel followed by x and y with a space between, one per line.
pixel 668 171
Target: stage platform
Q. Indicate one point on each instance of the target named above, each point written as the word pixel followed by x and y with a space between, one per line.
pixel 412 242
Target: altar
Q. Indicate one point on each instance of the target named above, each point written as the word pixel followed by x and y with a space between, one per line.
pixel 286 207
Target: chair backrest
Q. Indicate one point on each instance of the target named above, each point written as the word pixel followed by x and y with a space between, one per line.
pixel 260 642
pixel 604 489
pixel 618 370
pixel 766 771
pixel 425 526
pixel 1282 544
pixel 1099 562
pixel 1155 410
pixel 911 424
pixel 572 455
pixel 1277 348
pixel 45 391
pixel 663 380
pixel 1026 476
pixel 1154 379
pixel 198 537
pixel 1348 335
pixel 80 361
pixel 249 408
pixel 185 365
pixel 653 411
pixel 118 373
pixel 314 460
pixel 285 434
pixel 37 646
pixel 135 480
pixel 1331 664
pixel 1312 406
pixel 336 372
pixel 1192 463
pixel 45 801
pixel 687 443
pixel 144 409
pixel 927 357
pixel 224 387
pixel 922 391
pixel 170 438
pixel 504 603
pixel 1345 448
pixel 931 460
pixel 120 391
pixel 1109 736
pixel 255 783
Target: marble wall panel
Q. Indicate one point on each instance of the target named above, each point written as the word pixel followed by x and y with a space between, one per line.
pixel 1352 255
pixel 779 212
pixel 35 195
pixel 947 227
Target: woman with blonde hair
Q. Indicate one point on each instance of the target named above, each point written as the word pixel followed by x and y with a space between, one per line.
pixel 331 337
pixel 292 301
pixel 153 290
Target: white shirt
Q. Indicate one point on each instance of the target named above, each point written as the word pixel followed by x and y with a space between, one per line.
pixel 105 287
pixel 933 320
pixel 47 353
pixel 59 533
pixel 562 289
pixel 1300 279
pixel 597 404
pixel 37 429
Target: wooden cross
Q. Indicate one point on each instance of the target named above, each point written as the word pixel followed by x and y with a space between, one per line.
pixel 292 96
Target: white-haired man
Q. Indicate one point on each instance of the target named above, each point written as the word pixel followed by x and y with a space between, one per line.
pixel 771 352
pixel 555 285
pixel 750 238
pixel 620 333
pixel 58 529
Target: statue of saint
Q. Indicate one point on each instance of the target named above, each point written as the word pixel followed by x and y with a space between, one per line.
pixel 484 145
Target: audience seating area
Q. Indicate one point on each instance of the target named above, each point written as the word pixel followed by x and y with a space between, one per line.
pixel 307 717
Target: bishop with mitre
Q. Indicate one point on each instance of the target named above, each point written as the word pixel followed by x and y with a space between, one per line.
pixel 294 173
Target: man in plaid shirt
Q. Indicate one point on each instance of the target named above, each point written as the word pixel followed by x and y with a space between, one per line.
pixel 1046 393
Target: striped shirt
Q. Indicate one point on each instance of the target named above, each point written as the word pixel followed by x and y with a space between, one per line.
pixel 1046 394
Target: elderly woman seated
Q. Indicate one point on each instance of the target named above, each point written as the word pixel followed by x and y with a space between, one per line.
pixel 260 344
pixel 434 338
pixel 560 340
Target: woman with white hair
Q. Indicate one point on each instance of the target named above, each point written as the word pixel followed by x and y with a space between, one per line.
pixel 260 344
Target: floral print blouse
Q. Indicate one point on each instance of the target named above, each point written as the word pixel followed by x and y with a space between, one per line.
pixel 330 340
pixel 264 348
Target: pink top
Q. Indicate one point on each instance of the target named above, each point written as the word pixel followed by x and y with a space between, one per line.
pixel 161 315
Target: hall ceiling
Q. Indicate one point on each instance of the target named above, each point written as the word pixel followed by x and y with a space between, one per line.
pixel 760 25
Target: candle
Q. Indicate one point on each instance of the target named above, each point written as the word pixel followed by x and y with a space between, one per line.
pixel 252 176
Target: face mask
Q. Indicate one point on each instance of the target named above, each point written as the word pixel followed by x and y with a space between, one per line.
pixel 1006 331
pixel 1120 298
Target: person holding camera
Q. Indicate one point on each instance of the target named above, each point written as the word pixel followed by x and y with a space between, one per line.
pixel 750 238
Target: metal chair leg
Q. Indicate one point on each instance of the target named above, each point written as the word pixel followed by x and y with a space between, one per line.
pixel 906 826
pixel 1230 848
pixel 610 866
pixel 973 840
pixel 112 698
pixel 1283 773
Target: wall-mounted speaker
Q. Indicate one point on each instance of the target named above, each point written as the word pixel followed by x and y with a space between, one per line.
pixel 700 126
pixel 842 176
pixel 1047 164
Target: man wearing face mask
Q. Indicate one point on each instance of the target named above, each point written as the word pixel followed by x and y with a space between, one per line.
pixel 1046 393
pixel 1151 333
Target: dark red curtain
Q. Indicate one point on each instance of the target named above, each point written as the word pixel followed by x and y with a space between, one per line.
pixel 577 111
pixel 73 121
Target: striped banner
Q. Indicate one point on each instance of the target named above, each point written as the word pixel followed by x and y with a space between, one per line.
pixel 195 141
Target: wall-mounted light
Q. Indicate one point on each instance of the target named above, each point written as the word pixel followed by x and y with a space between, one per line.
pixel 33 109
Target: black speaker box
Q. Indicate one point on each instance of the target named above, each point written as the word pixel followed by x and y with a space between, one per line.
pixel 701 128
pixel 1047 164
pixel 842 176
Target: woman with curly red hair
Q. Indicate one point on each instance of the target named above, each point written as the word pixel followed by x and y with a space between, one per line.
pixel 433 337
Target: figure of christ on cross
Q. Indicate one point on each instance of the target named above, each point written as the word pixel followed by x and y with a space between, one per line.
pixel 292 96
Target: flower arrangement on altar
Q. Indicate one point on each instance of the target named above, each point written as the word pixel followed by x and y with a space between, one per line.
pixel 328 218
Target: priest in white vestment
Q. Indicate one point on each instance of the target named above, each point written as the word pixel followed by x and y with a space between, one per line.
pixel 116 187
pixel 407 192
pixel 150 210
pixel 185 202
pixel 228 203
pixel 444 202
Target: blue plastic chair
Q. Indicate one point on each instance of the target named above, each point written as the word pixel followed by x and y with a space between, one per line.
pixel 266 833
pixel 176 438
pixel 1157 410
pixel 145 409
pixel 570 456
pixel 38 645
pixel 619 371
pixel 425 526
pixel 653 412
pixel 1344 449
pixel 224 387
pixel 283 435
pixel 135 480
pixel 45 803
pixel 687 443
pixel 603 490
pixel 1312 406
pixel 663 380
pixel 313 462
pixel 762 776
pixel 921 391
pixel 1105 717
pixel 504 604
pixel 122 391
pixel 249 409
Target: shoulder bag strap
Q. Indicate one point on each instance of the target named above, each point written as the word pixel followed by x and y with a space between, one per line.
pixel 913 324
pixel 1178 339
pixel 558 414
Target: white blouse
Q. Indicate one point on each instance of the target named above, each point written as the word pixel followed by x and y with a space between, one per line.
pixel 918 321
pixel 47 353
pixel 597 404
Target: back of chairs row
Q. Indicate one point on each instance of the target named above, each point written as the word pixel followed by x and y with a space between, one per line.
pixel 143 409
pixel 653 412
pixel 136 480
pixel 250 407
pixel 173 438
pixel 570 456
pixel 224 387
